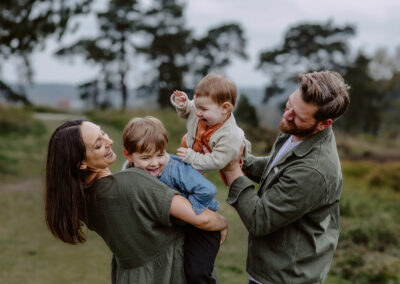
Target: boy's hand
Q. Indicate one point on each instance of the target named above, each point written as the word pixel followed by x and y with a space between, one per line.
pixel 181 152
pixel 179 98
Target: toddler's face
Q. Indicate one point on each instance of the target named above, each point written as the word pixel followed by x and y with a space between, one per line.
pixel 153 162
pixel 209 111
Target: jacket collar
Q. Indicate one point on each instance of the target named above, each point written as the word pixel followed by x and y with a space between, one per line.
pixel 304 147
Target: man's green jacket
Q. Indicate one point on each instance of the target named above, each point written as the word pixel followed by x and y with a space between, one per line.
pixel 293 219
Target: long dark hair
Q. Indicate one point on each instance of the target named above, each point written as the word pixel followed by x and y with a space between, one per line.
pixel 65 198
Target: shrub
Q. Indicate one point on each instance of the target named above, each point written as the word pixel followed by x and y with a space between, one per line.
pixel 385 175
pixel 19 121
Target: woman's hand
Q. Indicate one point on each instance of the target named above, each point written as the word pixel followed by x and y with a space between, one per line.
pixel 224 235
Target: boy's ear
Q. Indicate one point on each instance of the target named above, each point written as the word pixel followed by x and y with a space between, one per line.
pixel 128 156
pixel 227 107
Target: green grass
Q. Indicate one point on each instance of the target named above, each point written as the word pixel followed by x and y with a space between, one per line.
pixel 368 250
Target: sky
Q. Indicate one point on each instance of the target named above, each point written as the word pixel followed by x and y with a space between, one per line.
pixel 264 22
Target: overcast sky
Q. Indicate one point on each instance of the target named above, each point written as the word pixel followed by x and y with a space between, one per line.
pixel 264 22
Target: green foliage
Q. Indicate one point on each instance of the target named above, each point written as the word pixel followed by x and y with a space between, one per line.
pixel 19 121
pixel 367 101
pixel 110 50
pixel 25 27
pixel 22 141
pixel 177 56
pixel 377 175
pixel 216 49
pixel 386 175
pixel 306 47
pixel 245 112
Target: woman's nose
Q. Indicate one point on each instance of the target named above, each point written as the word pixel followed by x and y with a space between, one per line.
pixel 109 141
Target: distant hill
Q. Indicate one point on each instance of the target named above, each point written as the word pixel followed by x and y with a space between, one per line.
pixel 66 96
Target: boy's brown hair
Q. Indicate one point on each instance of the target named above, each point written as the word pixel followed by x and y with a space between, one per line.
pixel 145 134
pixel 218 87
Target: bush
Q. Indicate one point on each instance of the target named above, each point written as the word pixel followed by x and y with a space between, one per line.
pixel 19 121
pixel 385 175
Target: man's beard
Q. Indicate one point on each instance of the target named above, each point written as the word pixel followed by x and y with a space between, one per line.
pixel 292 129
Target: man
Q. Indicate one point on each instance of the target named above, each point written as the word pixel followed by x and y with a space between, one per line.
pixel 293 218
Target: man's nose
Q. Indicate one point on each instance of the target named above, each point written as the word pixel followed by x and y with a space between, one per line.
pixel 288 114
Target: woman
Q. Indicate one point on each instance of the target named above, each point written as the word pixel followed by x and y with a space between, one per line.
pixel 130 210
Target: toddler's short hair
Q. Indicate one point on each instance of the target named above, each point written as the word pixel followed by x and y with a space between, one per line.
pixel 145 134
pixel 218 87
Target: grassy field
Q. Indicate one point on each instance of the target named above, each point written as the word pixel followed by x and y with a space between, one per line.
pixel 368 251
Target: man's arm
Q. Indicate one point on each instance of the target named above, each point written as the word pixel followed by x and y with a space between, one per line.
pixel 254 167
pixel 298 191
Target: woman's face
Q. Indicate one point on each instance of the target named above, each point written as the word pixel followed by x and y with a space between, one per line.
pixel 99 154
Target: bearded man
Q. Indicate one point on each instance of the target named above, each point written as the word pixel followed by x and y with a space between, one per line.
pixel 293 218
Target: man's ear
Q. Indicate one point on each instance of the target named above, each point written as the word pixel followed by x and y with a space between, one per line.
pixel 324 124
pixel 83 166
pixel 227 107
pixel 128 156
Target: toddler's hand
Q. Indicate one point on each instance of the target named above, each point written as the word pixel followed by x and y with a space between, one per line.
pixel 181 152
pixel 179 98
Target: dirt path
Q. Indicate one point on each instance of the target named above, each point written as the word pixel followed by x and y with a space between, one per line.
pixel 53 116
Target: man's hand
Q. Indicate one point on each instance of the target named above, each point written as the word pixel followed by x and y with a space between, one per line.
pixel 181 152
pixel 179 98
pixel 232 170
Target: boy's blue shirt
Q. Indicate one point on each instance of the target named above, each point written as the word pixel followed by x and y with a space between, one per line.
pixel 190 183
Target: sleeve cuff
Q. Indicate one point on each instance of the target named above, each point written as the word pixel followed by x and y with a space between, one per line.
pixel 236 188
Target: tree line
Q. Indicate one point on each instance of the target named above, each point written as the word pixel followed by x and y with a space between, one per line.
pixel 177 58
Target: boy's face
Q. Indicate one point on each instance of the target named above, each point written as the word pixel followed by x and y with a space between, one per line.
pixel 153 162
pixel 209 111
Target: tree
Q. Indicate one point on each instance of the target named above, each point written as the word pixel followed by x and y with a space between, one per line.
pixel 306 47
pixel 25 27
pixel 168 42
pixel 385 68
pixel 177 56
pixel 245 112
pixel 216 49
pixel 94 53
pixel 367 101
pixel 112 49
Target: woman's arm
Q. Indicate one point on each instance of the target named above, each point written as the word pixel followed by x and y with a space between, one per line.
pixel 208 220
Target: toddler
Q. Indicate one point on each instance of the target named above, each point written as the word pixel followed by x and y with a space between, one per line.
pixel 145 141
pixel 213 138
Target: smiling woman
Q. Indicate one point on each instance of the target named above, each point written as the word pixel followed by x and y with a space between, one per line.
pixel 99 154
pixel 130 210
